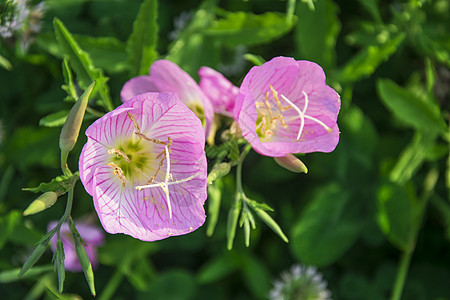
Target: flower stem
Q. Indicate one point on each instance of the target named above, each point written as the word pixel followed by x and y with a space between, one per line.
pixel 405 260
pixel 244 153
pixel 68 207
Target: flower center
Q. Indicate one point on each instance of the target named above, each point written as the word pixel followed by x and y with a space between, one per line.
pixel 271 114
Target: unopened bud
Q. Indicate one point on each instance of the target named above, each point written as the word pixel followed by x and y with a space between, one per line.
pixel 41 203
pixel 219 171
pixel 291 163
pixel 72 126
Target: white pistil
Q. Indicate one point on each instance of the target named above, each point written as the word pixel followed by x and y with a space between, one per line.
pixel 165 184
pixel 302 114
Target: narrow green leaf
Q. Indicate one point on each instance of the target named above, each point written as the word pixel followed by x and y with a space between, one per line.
pixel 412 157
pixel 372 7
pixel 256 60
pixel 141 45
pixel 420 113
pixel 37 253
pixel 244 28
pixel 430 73
pixel 233 217
pixel 255 204
pixel 218 172
pixel 4 63
pixel 69 86
pixel 54 119
pixel 81 63
pixel 83 257
pixel 59 183
pixel 367 60
pixel 59 264
pixel 214 199
pixel 264 216
pixel 316 32
pixel 9 276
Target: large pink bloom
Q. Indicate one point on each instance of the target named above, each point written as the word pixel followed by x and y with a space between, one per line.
pixel 166 76
pixel 219 90
pixel 145 166
pixel 284 106
pixel 91 235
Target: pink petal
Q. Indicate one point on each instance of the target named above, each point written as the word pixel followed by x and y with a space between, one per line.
pixel 136 86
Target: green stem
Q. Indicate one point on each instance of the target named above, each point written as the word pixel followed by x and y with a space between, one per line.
pixel 68 208
pixel 244 153
pixel 94 112
pixel 64 166
pixel 112 285
pixel 405 260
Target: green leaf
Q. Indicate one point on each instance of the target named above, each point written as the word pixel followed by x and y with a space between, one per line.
pixel 264 216
pixel 327 227
pixel 316 32
pixel 83 257
pixel 216 269
pixel 69 86
pixel 233 217
pixel 59 183
pixel 37 252
pixel 54 119
pixel 141 45
pixel 214 199
pixel 258 205
pixel 82 64
pixel 256 60
pixel 188 49
pixel 398 211
pixel 244 28
pixel 171 285
pixel 58 258
pixel 4 63
pixel 412 157
pixel 372 7
pixel 420 113
pixel 7 225
pixel 367 60
pixel 9 276
pixel 234 151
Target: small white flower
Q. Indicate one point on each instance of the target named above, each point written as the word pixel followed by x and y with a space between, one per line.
pixel 301 283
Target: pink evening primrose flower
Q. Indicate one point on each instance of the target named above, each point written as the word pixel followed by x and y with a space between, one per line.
pixel 90 234
pixel 219 90
pixel 284 106
pixel 166 76
pixel 145 166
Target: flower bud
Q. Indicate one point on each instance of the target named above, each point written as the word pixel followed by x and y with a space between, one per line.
pixel 41 203
pixel 71 128
pixel 219 171
pixel 291 163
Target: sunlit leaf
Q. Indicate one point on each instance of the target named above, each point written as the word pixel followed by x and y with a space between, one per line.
pixel 54 119
pixel 141 45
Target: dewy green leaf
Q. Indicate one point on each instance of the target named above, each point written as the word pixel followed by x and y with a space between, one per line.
pixel 83 257
pixel 81 63
pixel 54 119
pixel 60 183
pixel 316 32
pixel 244 28
pixel 367 60
pixel 141 45
pixel 420 113
pixel 214 199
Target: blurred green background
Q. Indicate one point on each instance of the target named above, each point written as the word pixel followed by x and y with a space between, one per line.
pixel 377 204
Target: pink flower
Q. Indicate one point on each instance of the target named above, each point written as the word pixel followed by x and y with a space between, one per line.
pixel 219 90
pixel 90 234
pixel 145 166
pixel 166 76
pixel 284 106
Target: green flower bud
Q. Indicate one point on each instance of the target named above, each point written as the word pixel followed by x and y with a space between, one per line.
pixel 41 203
pixel 219 171
pixel 71 128
pixel 291 163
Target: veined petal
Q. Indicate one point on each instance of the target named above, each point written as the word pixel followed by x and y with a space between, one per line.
pixel 136 86
pixel 219 90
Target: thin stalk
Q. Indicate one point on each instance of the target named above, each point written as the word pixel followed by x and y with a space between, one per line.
pixel 244 153
pixel 402 272
pixel 112 285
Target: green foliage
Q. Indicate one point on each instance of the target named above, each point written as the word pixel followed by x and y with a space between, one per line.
pixel 141 45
